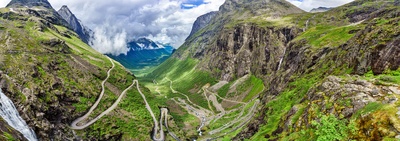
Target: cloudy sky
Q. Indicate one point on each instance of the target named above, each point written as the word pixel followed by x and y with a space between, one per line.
pixel 166 21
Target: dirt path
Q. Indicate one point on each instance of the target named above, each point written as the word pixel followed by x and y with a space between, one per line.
pixel 156 130
pixel 188 99
pixel 241 119
pixel 164 113
pixel 75 122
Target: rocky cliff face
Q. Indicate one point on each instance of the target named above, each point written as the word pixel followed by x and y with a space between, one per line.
pixel 40 8
pixel 295 53
pixel 237 50
pixel 202 22
pixel 29 3
pixel 53 78
pixel 76 25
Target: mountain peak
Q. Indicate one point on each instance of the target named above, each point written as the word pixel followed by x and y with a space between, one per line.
pixel 258 7
pixel 202 22
pixel 29 3
pixel 83 32
pixel 65 12
pixel 65 8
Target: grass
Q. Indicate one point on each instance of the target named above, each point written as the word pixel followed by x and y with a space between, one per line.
pixel 223 91
pixel 388 76
pixel 369 108
pixel 257 87
pixel 8 136
pixel 330 128
pixel 282 104
pixel 185 78
pixel 40 66
pixel 328 36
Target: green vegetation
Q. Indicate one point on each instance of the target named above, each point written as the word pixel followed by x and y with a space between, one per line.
pixel 72 70
pixel 223 91
pixel 330 128
pixel 328 36
pixel 133 113
pixel 184 77
pixel 279 108
pixel 8 136
pixel 369 108
pixel 257 86
pixel 251 87
pixel 388 76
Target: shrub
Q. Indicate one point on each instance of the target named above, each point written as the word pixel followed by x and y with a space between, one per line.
pixel 331 129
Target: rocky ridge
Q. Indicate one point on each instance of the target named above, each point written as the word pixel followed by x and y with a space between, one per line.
pixel 52 77
pixel 320 9
pixel 40 8
pixel 294 52
pixel 84 32
pixel 201 22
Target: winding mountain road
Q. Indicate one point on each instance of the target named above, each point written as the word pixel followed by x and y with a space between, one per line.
pixel 156 130
pixel 164 114
pixel 74 124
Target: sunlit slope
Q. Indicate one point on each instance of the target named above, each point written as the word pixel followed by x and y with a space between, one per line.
pixel 56 77
pixel 314 72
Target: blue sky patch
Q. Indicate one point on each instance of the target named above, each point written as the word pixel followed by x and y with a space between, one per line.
pixel 189 4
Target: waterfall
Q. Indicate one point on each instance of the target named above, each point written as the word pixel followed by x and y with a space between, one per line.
pixel 10 114
pixel 281 59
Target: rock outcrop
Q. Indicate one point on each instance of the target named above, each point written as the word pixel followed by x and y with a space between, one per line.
pixel 202 22
pixel 294 53
pixel 84 32
pixel 39 8
pixel 44 76
pixel 29 3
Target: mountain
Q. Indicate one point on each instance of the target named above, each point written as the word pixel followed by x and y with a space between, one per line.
pixel 83 32
pixel 202 22
pixel 320 9
pixel 29 3
pixel 144 53
pixel 52 77
pixel 317 76
pixel 145 44
pixel 41 8
pixel 259 70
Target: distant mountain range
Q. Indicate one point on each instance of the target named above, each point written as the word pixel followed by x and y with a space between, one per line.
pixel 144 53
pixel 320 9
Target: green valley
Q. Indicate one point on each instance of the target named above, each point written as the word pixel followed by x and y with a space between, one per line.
pixel 254 70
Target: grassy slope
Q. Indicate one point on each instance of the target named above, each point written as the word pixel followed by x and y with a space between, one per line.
pixel 27 41
pixel 324 33
pixel 330 29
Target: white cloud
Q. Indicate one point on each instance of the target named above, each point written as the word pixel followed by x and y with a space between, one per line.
pixel 109 40
pixel 159 20
pixel 3 3
pixel 307 5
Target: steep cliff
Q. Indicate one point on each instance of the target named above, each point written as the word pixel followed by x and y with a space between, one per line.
pixel 53 77
pixel 337 69
pixel 39 8
pixel 84 32
pixel 202 22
